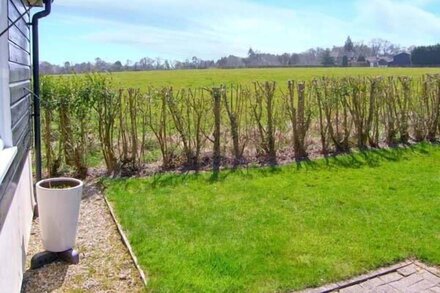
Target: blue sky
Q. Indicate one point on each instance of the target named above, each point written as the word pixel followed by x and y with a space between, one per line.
pixel 81 30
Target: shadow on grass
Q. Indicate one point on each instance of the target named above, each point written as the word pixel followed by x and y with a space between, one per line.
pixel 375 157
pixel 306 164
pixel 164 179
pixel 371 158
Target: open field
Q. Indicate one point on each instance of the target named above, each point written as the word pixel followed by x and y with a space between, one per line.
pixel 215 77
pixel 267 230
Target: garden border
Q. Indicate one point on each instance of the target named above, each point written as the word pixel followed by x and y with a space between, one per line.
pixel 126 242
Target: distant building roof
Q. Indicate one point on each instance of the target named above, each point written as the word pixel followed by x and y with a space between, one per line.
pixel 372 59
pixel 379 59
pixel 402 60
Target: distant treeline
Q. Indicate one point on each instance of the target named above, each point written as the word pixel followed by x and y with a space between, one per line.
pixel 349 53
pixel 426 55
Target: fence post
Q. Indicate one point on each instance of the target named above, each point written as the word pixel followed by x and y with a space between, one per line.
pixel 216 94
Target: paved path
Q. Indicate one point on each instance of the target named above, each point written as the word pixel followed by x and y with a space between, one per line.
pixel 409 276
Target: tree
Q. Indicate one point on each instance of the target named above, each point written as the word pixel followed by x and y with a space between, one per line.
pixel 294 59
pixel 345 61
pixel 386 47
pixel 167 65
pixel 46 67
pixel 348 47
pixel 128 63
pixel 67 67
pixel 376 46
pixel 327 59
pixel 158 63
pixel 195 62
pixel 284 59
pixel 426 55
pixel 312 57
pixel 100 65
pixel 362 50
pixel 146 63
pixel 383 47
pixel 117 66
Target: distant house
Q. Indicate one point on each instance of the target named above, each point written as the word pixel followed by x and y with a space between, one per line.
pixel 401 60
pixel 350 55
pixel 361 61
pixel 379 61
pixel 373 61
pixel 338 56
pixel 384 62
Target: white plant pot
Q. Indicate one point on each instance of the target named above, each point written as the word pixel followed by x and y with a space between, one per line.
pixel 58 207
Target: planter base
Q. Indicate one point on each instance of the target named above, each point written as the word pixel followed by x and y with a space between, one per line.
pixel 46 257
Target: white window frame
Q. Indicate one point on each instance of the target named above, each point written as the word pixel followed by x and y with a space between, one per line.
pixel 7 150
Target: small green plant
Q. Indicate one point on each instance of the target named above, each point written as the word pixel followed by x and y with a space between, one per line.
pixel 236 102
pixel 107 108
pixel 50 128
pixel 300 117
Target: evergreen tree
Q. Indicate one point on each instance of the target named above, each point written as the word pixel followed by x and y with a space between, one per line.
pixel 345 61
pixel 348 47
pixel 426 55
pixel 327 59
pixel 361 58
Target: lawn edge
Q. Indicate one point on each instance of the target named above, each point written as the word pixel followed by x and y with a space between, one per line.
pixel 126 242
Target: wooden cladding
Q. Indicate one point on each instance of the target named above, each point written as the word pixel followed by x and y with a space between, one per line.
pixel 20 99
pixel 18 55
pixel 18 72
pixel 19 90
pixel 20 108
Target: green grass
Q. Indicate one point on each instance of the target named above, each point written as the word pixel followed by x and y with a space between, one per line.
pixel 215 77
pixel 278 229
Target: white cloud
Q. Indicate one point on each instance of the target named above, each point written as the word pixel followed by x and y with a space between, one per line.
pixel 394 15
pixel 217 28
pixel 405 22
pixel 210 29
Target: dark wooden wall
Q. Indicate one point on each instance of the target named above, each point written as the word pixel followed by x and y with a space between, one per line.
pixel 20 100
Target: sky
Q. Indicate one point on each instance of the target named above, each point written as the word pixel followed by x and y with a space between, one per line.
pixel 82 30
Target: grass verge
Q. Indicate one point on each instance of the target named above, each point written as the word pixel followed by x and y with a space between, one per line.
pixel 278 229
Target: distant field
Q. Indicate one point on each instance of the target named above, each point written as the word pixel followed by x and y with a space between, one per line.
pixel 215 77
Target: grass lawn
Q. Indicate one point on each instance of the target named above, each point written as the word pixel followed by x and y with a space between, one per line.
pixel 278 229
pixel 216 77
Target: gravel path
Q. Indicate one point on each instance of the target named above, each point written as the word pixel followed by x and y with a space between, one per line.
pixel 105 265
